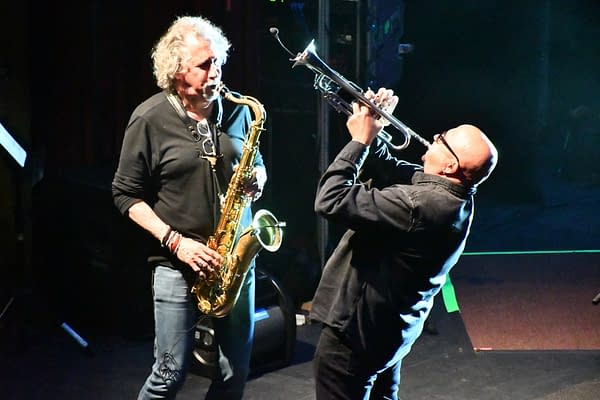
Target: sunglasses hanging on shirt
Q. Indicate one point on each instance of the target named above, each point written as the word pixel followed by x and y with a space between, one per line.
pixel 208 143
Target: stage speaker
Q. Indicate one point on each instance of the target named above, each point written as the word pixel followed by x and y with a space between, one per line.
pixel 274 331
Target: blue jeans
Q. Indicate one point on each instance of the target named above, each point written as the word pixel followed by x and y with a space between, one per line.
pixel 175 318
pixel 341 373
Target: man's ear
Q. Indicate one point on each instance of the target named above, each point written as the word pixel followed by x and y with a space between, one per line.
pixel 451 168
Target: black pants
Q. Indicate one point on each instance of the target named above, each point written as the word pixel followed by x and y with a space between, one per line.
pixel 343 374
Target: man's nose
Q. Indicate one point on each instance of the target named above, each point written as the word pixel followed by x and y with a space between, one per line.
pixel 215 69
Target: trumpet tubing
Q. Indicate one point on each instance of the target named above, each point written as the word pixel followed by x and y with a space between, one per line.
pixel 329 82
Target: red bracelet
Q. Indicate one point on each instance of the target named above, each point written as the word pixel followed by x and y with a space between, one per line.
pixel 174 244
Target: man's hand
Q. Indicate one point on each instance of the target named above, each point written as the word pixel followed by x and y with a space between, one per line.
pixel 364 123
pixel 385 100
pixel 199 257
pixel 256 183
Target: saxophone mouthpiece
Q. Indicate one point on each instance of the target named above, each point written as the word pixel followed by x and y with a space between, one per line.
pixel 211 91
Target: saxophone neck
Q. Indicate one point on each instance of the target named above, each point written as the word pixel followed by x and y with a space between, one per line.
pixel 258 110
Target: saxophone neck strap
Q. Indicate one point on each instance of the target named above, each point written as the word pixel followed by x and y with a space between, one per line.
pixel 189 122
pixel 178 107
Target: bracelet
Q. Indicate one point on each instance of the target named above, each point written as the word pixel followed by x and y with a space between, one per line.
pixel 174 244
pixel 166 238
pixel 177 247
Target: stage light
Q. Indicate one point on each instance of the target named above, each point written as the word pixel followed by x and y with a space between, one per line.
pixel 12 146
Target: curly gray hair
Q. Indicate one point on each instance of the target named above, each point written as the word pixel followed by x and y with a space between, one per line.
pixel 170 52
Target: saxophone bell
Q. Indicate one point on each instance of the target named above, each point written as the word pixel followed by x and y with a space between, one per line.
pixel 267 230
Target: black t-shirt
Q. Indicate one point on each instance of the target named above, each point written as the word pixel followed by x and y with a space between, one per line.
pixel 162 163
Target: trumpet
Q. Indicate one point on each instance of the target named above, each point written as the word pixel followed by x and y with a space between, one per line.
pixel 330 83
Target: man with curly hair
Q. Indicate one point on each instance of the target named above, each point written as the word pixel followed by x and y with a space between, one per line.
pixel 178 155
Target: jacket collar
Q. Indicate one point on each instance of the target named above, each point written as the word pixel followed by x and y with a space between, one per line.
pixel 459 190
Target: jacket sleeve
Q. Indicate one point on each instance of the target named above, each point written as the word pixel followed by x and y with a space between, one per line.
pixel 382 168
pixel 342 198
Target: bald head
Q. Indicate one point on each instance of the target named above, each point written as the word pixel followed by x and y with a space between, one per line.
pixel 474 158
pixel 478 155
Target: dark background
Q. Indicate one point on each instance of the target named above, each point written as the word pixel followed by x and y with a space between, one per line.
pixel 526 72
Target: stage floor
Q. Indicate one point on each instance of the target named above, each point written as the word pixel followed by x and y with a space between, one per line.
pixel 49 364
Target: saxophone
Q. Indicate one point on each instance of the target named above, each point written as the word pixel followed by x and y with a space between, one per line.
pixel 217 294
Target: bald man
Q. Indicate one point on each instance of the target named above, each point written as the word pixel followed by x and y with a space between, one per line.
pixel 405 230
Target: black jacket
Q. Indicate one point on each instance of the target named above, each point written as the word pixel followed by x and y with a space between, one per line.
pixel 404 234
